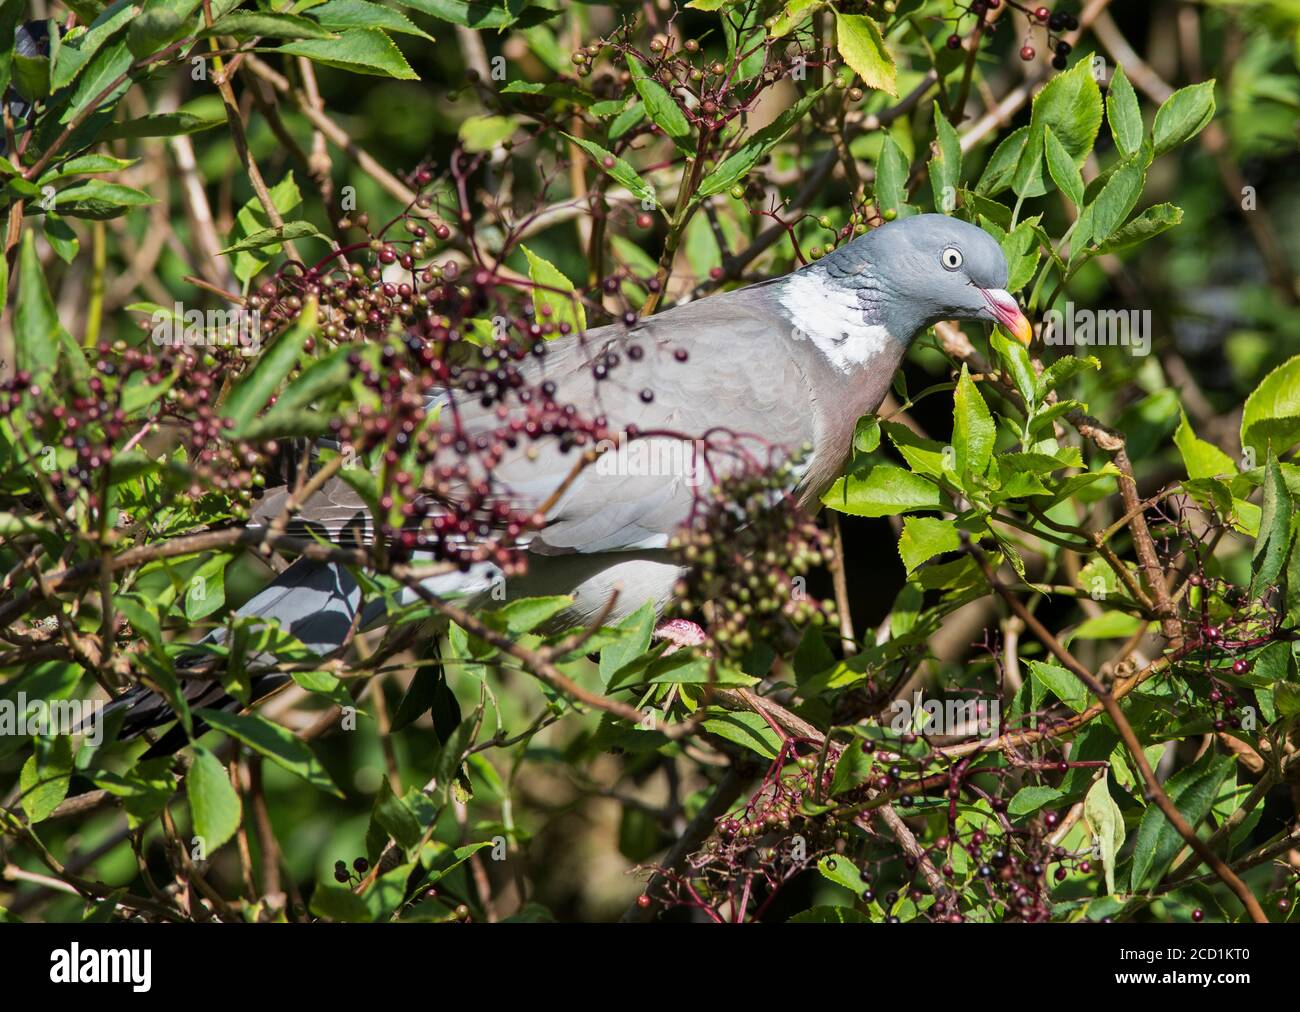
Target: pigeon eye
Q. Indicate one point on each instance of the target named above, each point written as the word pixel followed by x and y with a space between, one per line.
pixel 951 258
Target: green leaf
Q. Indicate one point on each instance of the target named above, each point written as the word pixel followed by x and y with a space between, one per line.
pixel 338 903
pixel 661 107
pixel 883 491
pixel 45 778
pixel 1123 113
pixel 548 298
pixel 1070 104
pixel 275 743
pixel 945 167
pixel 91 163
pixel 12 14
pixel 206 589
pixel 1061 166
pixel 1062 370
pixel 251 218
pixel 1274 539
pixel 1020 247
pixel 31 77
pixel 866 434
pixel 1271 417
pixel 620 171
pixel 1202 459
pixel 1106 823
pixel 1014 358
pixel 159 26
pixel 481 14
pixel 1030 799
pixel 1001 168
pixel 746 729
pixel 214 805
pixel 925 537
pixel 973 429
pixel 37 331
pixel 843 872
pixel 395 818
pixel 1183 115
pixel 168 124
pixel 255 24
pixel 829 915
pixel 360 50
pixel 99 199
pixel 619 654
pixel 891 177
pixel 1062 683
pixel 792 16
pixel 1116 199
pixel 255 387
pixel 76 53
pixel 107 66
pixel 527 614
pixel 339 14
pixel 483 133
pixel 738 164
pixel 1027 181
pixel 1193 792
pixel 275 235
pixel 861 44
pixel 1147 225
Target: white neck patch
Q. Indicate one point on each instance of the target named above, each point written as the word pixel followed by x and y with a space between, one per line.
pixel 831 318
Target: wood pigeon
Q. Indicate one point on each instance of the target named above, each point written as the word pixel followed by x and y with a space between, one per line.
pixel 787 363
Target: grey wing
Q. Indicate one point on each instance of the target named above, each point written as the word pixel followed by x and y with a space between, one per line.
pixel 739 390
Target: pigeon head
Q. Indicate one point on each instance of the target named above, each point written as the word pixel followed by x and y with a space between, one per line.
pixel 913 272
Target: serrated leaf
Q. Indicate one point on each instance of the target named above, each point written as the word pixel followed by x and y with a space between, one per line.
pixel 843 872
pixel 1106 822
pixel 883 491
pixel 45 778
pixel 360 50
pixel 266 24
pixel 1070 104
pixel 1147 225
pixel 662 108
pixel 274 742
pixel 973 429
pixel 1202 459
pixel 1063 170
pixel 1193 792
pixel 1183 115
pixel 860 42
pixel 483 133
pixel 255 387
pixel 925 537
pixel 1123 113
pixel 1271 416
pixel 548 298
pixel 214 804
pixel 619 170
pixel 275 235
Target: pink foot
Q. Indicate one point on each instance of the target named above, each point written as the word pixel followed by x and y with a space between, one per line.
pixel 679 633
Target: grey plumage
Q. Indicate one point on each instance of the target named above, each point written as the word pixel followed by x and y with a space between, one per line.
pixel 771 367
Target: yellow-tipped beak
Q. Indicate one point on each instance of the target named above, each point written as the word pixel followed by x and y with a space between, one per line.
pixel 1006 311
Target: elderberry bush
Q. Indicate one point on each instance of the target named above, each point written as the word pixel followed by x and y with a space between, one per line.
pixel 294 284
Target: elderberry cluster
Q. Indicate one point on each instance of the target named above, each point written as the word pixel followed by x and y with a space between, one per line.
pixel 1055 23
pixel 749 548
